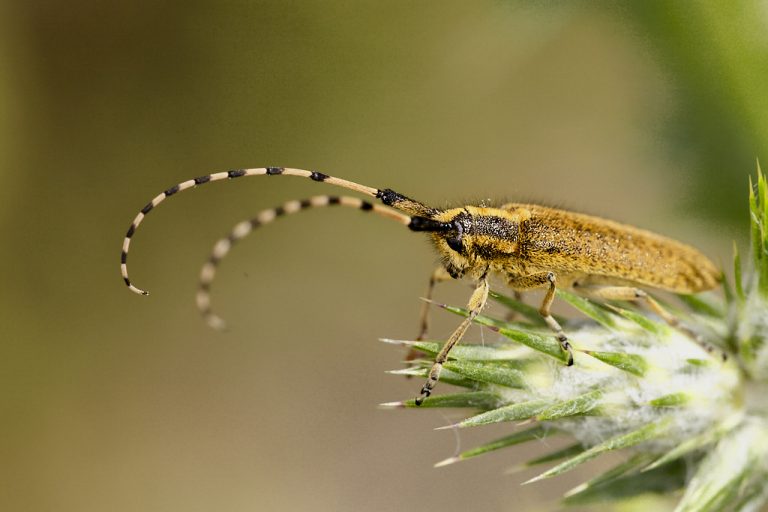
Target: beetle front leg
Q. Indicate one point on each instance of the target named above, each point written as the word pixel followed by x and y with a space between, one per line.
pixel 476 303
pixel 439 275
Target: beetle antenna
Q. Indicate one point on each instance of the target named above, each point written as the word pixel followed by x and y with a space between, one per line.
pixel 387 196
pixel 246 227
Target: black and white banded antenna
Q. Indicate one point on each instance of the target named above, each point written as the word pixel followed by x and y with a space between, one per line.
pixel 242 229
pixel 415 215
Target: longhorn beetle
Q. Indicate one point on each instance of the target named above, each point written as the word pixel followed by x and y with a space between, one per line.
pixel 527 245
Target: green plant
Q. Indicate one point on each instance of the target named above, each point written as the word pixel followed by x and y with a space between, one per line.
pixel 690 422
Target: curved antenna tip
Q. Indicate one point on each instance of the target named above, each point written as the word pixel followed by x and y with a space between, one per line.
pixel 137 291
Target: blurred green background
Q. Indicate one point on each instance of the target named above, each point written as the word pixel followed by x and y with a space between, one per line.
pixel 651 113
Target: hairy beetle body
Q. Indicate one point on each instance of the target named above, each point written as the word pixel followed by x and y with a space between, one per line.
pixel 525 239
pixel 528 245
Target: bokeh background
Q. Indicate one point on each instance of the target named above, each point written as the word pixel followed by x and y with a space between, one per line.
pixel 652 113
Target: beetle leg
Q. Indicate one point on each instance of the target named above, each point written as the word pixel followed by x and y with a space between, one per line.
pixel 476 303
pixel 631 293
pixel 536 281
pixel 551 322
pixel 439 275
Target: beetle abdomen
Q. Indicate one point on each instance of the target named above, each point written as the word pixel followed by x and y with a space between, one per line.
pixel 570 243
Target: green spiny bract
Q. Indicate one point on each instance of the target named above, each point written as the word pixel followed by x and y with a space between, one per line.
pixel 690 423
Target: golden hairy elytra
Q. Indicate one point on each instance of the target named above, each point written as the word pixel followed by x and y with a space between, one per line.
pixel 526 245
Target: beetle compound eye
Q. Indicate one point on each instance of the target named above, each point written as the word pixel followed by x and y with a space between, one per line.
pixel 455 244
